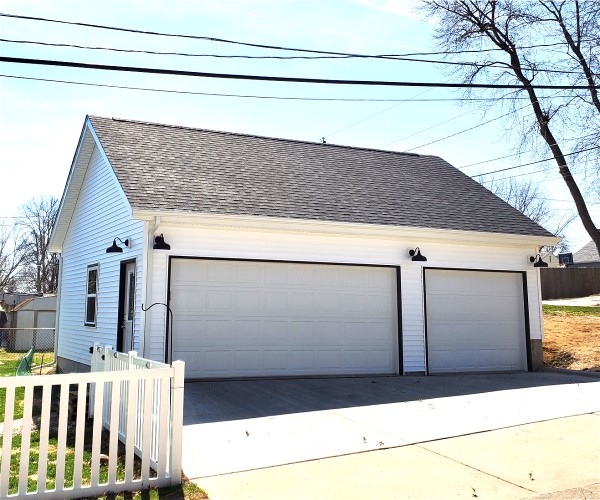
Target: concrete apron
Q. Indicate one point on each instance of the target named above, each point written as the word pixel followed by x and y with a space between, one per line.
pixel 215 448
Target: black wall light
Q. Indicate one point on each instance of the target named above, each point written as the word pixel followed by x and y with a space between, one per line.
pixel 114 248
pixel 416 255
pixel 160 244
pixel 537 261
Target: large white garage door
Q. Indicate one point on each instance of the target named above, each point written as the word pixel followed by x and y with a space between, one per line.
pixel 475 321
pixel 249 318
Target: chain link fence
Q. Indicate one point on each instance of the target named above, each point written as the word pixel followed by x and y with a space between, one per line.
pixel 22 339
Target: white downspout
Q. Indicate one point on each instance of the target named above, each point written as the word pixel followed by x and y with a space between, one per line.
pixel 147 285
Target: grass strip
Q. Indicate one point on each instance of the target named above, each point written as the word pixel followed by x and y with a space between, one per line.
pixel 571 310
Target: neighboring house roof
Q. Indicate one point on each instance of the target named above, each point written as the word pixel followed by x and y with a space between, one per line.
pixel 46 303
pixel 22 304
pixel 180 169
pixel 588 253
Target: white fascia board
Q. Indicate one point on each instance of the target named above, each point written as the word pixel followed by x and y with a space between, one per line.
pixel 342 228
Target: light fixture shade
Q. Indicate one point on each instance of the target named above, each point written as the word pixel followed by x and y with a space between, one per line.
pixel 537 261
pixel 416 255
pixel 114 248
pixel 160 244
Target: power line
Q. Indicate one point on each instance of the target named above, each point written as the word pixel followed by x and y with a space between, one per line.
pixel 493 159
pixel 286 79
pixel 395 57
pixel 371 116
pixel 249 96
pixel 254 45
pixel 533 162
pixel 425 129
pixel 514 154
pixel 463 131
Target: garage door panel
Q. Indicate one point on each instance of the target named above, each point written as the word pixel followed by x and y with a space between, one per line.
pixel 250 274
pixel 380 305
pixel 247 330
pixel 381 281
pixel 296 319
pixel 475 321
pixel 382 332
pixel 248 360
pixel 303 332
pixel 303 302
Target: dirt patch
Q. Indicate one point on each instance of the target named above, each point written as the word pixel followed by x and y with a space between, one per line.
pixel 572 341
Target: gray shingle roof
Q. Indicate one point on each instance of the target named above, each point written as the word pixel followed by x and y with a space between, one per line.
pixel 163 167
pixel 588 253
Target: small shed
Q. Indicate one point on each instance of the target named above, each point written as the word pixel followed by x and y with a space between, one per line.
pixel 35 319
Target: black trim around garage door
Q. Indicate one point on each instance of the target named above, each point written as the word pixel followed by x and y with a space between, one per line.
pixel 525 307
pixel 169 340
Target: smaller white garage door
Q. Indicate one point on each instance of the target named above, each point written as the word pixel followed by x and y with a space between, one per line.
pixel 249 318
pixel 475 321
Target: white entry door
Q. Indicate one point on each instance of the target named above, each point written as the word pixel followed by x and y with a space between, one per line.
pixel 249 318
pixel 475 321
pixel 128 307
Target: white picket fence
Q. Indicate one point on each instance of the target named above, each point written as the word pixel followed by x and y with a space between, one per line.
pixel 143 397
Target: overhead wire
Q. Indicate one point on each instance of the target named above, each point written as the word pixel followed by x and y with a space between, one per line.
pixel 258 77
pixel 462 131
pixel 473 127
pixel 250 96
pixel 532 163
pixel 267 78
pixel 396 57
pixel 372 116
pixel 425 129
pixel 247 44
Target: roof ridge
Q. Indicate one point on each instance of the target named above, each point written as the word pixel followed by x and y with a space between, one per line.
pixel 281 139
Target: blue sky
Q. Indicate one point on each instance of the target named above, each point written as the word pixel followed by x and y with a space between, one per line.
pixel 40 122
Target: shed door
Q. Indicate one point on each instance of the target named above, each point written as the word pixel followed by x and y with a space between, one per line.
pixel 249 318
pixel 475 321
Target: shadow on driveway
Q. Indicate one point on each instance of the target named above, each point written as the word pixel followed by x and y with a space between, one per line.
pixel 219 401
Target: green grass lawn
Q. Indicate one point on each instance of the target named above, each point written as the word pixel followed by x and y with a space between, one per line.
pixel 573 310
pixel 8 368
pixel 187 490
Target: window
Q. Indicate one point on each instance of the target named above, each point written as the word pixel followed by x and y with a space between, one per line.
pixel 91 300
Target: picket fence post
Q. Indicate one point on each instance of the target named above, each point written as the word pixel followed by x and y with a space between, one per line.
pixel 176 420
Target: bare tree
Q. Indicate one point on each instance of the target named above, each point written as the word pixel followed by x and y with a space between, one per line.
pixel 527 44
pixel 529 199
pixel 13 252
pixel 39 271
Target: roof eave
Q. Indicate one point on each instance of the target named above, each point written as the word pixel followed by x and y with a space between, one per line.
pixel 173 218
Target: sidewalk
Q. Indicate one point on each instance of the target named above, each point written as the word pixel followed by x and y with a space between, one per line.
pixel 552 459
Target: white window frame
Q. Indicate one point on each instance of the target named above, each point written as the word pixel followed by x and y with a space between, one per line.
pixel 88 295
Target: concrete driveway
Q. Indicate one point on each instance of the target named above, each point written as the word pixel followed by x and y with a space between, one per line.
pixel 233 426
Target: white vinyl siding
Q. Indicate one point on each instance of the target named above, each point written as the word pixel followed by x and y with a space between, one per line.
pixel 475 321
pixel 253 318
pixel 101 214
pixel 237 243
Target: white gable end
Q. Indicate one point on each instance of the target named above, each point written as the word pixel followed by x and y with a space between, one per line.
pixel 99 213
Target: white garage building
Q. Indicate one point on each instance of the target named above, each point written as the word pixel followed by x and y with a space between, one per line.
pixel 250 256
